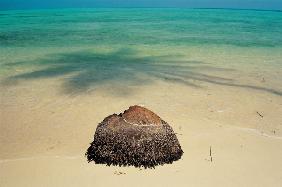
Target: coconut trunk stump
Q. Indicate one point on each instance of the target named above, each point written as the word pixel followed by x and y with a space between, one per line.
pixel 138 137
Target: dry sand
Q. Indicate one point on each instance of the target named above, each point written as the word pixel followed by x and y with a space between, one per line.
pixel 44 134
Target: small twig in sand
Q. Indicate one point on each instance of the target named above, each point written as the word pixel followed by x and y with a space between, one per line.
pixel 210 160
pixel 119 173
pixel 260 114
pixel 211 153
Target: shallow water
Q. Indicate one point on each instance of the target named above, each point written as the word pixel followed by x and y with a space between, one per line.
pixel 91 47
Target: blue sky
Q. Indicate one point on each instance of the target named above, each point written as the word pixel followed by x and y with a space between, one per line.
pixel 245 4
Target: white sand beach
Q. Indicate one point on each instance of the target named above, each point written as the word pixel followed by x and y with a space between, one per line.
pixel 45 134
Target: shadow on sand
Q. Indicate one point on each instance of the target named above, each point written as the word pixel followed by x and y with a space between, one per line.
pixel 84 70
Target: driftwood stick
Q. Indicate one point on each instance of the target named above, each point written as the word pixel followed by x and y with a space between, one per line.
pixel 260 114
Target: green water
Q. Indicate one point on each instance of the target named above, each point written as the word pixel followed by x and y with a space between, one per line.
pixel 171 27
pixel 94 46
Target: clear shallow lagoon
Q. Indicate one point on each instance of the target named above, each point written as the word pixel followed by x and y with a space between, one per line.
pixel 97 46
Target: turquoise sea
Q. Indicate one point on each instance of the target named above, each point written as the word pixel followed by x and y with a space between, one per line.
pixel 170 27
pixel 95 46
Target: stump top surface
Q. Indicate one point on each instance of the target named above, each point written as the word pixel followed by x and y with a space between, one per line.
pixel 140 116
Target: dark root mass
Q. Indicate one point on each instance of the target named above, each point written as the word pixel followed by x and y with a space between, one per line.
pixel 137 137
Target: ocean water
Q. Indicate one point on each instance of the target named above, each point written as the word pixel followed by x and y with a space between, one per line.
pixel 96 46
pixel 172 27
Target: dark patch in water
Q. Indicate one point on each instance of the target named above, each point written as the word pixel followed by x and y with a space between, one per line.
pixel 3 37
pixel 28 16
